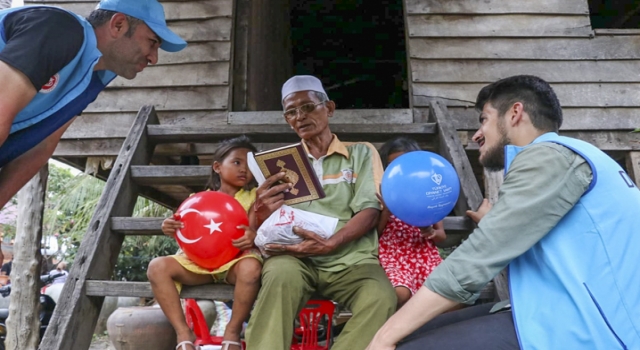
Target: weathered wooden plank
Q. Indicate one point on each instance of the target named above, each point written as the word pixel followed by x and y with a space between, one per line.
pixel 341 116
pixel 604 140
pixel 137 226
pixel 116 125
pixel 170 175
pixel 617 31
pixel 76 314
pixel 452 150
pixel 556 7
pixel 88 148
pixel 143 290
pixel 492 182
pixel 498 26
pixel 573 118
pixel 570 95
pixel 212 51
pixel 151 226
pixel 488 71
pixel 174 99
pixel 458 223
pixel 633 165
pixel 193 74
pixel 598 48
pixel 111 147
pixel 181 10
pixel 501 285
pixel 283 133
pixel 216 29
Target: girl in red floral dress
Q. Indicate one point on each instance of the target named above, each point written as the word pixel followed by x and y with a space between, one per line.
pixel 407 253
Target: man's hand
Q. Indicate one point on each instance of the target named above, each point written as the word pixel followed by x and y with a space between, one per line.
pixel 312 245
pixel 269 197
pixel 246 241
pixel 476 216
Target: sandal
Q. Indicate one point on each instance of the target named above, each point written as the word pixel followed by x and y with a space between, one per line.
pixel 227 343
pixel 183 345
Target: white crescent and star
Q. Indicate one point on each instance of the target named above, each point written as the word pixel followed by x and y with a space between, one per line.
pixel 213 227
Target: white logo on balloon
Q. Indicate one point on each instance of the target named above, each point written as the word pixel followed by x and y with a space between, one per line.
pixel 213 227
pixel 437 178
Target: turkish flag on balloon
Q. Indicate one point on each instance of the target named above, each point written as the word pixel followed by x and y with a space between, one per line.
pixel 211 221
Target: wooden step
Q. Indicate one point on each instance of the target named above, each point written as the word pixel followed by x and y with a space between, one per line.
pixel 151 226
pixel 143 290
pixel 283 133
pixel 207 291
pixel 187 175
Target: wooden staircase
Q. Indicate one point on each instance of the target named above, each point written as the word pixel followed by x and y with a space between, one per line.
pixel 76 314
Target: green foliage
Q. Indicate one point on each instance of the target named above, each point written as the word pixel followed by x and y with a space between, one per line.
pixel 636 130
pixel 71 201
pixel 8 231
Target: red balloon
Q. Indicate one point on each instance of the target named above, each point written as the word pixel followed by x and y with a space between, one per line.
pixel 210 224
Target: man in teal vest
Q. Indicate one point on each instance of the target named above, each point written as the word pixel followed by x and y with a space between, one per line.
pixel 566 226
pixel 53 63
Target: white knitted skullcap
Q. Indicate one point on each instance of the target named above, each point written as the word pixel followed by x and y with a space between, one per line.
pixel 301 83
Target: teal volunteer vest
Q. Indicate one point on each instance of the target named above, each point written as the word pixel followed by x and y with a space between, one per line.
pixel 66 94
pixel 579 286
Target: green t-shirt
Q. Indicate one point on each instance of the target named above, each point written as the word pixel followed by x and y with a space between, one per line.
pixel 350 174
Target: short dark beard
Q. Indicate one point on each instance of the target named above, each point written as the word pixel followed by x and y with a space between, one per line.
pixel 493 159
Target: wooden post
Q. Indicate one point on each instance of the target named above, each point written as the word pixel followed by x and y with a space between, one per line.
pixel 633 166
pixel 492 182
pixel 23 324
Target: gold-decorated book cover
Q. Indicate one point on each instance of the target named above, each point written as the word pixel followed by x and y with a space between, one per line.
pixel 293 161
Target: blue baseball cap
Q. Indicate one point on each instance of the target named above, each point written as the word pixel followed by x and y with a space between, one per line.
pixel 152 13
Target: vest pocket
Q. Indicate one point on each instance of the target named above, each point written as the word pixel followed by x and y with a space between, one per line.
pixel 604 317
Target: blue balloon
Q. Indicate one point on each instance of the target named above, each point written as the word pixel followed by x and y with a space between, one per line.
pixel 420 188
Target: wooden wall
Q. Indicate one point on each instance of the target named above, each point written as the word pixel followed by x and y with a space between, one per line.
pixel 190 87
pixel 455 48
pixel 458 46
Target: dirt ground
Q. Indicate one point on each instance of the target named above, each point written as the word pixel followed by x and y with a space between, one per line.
pixel 101 342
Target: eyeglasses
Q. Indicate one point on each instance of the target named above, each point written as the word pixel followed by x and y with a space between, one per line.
pixel 291 114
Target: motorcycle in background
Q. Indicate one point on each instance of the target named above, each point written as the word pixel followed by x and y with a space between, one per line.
pixel 47 304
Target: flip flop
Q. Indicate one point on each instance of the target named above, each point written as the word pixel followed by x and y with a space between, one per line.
pixel 183 345
pixel 227 343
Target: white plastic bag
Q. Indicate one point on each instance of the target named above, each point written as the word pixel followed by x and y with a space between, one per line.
pixel 278 228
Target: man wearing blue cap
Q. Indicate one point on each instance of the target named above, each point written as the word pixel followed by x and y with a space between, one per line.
pixel 53 63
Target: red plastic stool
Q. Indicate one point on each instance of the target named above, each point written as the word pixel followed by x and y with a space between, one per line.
pixel 310 318
pixel 197 323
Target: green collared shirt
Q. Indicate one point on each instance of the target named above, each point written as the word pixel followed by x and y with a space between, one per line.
pixel 543 183
pixel 350 174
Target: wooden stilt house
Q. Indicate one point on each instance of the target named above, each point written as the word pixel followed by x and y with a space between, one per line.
pixel 394 67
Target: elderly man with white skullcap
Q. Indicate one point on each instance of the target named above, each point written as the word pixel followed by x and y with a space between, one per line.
pixel 343 268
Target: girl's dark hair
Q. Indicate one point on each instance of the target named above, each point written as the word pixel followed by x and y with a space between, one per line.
pixel 399 144
pixel 224 148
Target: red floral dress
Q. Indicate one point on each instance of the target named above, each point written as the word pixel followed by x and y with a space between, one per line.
pixel 406 256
